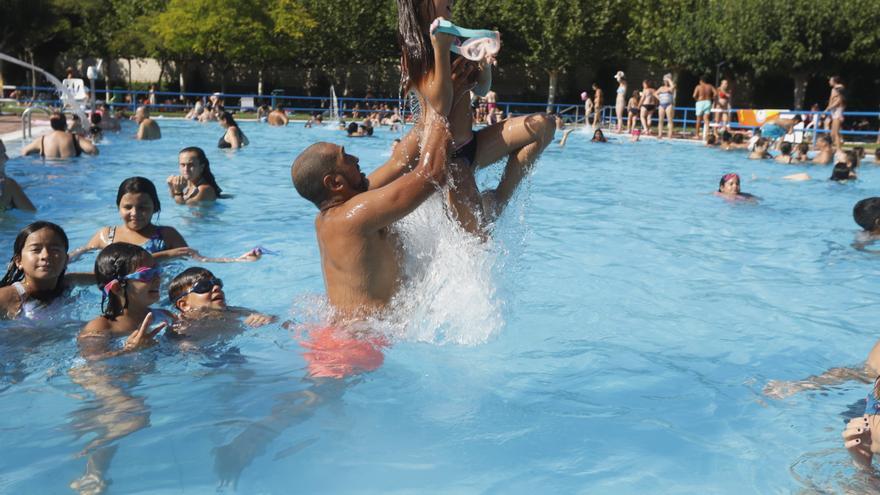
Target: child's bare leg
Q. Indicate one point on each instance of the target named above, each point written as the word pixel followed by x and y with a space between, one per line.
pixel 522 140
pixel 464 199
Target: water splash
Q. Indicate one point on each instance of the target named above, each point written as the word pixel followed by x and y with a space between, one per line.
pixel 449 296
pixel 334 106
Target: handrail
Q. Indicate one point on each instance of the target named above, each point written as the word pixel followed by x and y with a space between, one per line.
pixel 26 130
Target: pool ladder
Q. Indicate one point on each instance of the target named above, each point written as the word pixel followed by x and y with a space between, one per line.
pixel 26 120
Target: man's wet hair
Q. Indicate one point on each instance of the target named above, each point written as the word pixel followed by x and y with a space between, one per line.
pixel 826 138
pixel 785 148
pixel 352 128
pixel 803 147
pixel 866 213
pixel 726 136
pixel 310 168
pixel 58 122
pixel 841 172
pixel 738 138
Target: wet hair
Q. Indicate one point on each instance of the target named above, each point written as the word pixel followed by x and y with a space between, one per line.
pixel 852 159
pixel 859 151
pixel 414 38
pixel 785 148
pixel 866 213
pixel 95 118
pixel 207 175
pixel 185 279
pixel 114 262
pixel 369 130
pixel 310 168
pixel 841 172
pixel 803 147
pixel 738 138
pixel 726 136
pixel 352 128
pixel 826 138
pixel 727 177
pixel 761 142
pixel 14 274
pixel 227 117
pixel 58 122
pixel 133 185
pixel 710 139
pixel 598 135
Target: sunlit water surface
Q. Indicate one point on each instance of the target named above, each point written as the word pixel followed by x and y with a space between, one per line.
pixel 613 337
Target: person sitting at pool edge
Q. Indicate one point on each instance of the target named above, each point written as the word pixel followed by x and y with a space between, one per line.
pixel 59 143
pixel 729 187
pixel 148 129
pixel 195 183
pixel 358 249
pixel 198 295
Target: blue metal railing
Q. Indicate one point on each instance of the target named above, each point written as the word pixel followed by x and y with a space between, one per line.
pixel 683 117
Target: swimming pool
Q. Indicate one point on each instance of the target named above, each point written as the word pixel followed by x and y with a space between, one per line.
pixel 614 337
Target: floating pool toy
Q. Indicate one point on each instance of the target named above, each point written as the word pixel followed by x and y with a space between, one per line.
pixel 478 44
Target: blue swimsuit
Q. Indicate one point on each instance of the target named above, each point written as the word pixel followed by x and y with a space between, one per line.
pixel 153 245
pixel 872 406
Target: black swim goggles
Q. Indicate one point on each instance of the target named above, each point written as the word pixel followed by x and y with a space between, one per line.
pixel 203 286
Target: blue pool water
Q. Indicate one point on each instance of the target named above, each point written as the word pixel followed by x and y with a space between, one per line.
pixel 614 337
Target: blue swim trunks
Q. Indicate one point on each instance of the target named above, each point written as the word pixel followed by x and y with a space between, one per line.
pixel 772 131
pixel 703 106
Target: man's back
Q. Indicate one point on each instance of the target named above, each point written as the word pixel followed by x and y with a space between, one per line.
pixel 148 129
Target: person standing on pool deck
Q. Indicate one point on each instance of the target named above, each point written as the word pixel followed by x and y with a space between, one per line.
pixel 598 101
pixel 704 95
pixel 148 129
pixel 620 101
pixel 359 251
pixel 836 107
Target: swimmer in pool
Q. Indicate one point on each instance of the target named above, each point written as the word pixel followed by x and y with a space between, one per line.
pixel 196 183
pixel 138 201
pixel 277 117
pixel 729 188
pixel 801 152
pixel 198 296
pixel 59 143
pixel 148 129
pixel 359 249
pixel 784 154
pixel 760 151
pixel 35 277
pixel 521 140
pixel 128 278
pixel 11 194
pixel 826 152
pixel 232 138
